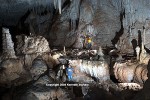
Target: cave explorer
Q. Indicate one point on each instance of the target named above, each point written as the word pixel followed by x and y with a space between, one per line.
pixel 69 71
pixel 89 42
pixel 62 71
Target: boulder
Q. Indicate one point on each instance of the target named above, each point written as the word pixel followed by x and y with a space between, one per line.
pixel 38 68
pixel 44 93
pixel 32 44
pixel 12 72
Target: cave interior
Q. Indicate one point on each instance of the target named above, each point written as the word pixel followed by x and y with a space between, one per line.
pixel 105 43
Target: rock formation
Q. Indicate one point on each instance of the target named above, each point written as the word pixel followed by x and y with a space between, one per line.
pixel 32 44
pixel 13 73
pixel 8 45
pixel 97 69
pixel 38 68
pixel 120 31
pixel 130 72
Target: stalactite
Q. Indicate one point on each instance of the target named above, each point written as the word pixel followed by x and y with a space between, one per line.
pixel 55 3
pixel 74 13
pixel 59 6
pixel 8 45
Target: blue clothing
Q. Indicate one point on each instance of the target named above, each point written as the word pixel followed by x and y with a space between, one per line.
pixel 89 45
pixel 69 71
pixel 69 77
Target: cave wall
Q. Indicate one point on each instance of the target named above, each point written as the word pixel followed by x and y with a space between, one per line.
pixel 67 27
pixel 136 20
pixel 106 16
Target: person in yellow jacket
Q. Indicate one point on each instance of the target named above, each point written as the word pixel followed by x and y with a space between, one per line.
pixel 89 42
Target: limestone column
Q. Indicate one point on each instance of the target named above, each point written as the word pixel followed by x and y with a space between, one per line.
pixel 138 52
pixel 8 45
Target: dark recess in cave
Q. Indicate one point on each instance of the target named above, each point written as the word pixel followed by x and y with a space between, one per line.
pixel 66 3
pixel 139 39
pixel 134 44
pixel 24 29
pixel 1 39
pixel 119 34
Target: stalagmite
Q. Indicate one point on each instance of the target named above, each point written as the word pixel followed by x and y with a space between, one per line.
pixel 138 52
pixel 64 50
pixel 143 53
pixel 8 45
pixel 100 51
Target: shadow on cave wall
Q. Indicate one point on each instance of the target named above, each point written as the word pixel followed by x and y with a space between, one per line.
pixel 134 45
pixel 119 34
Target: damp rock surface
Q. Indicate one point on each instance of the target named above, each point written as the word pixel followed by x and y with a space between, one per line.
pixel 13 72
pixel 38 68
pixel 32 44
